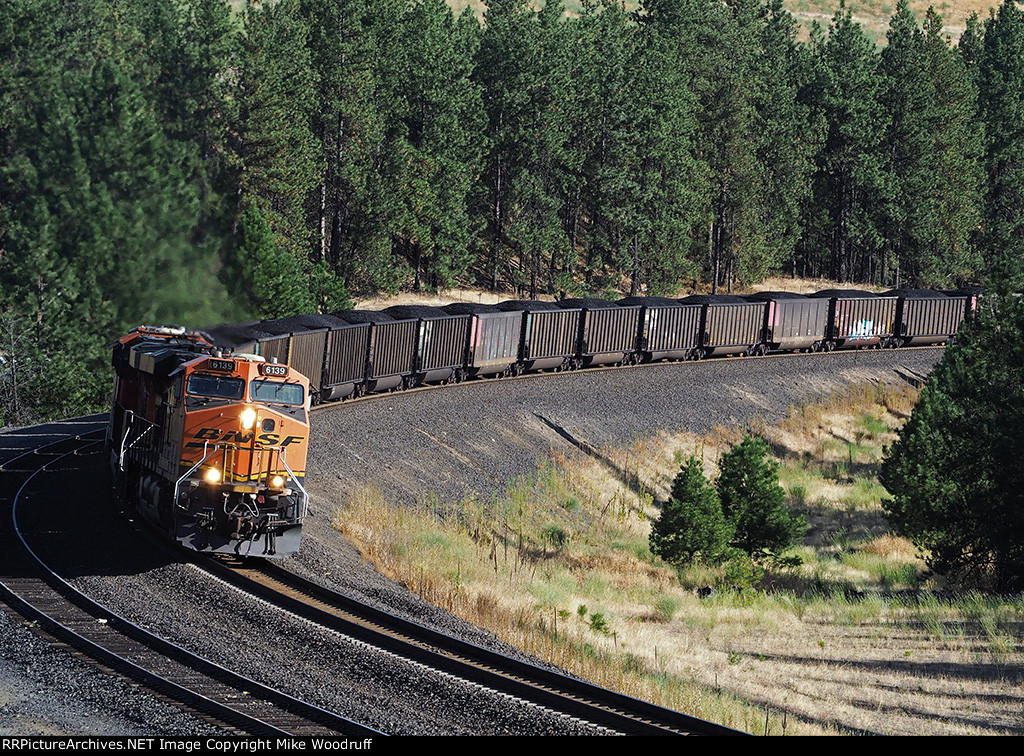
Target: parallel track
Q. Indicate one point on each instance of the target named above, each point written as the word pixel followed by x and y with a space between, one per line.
pixel 31 588
pixel 467 661
pixel 241 704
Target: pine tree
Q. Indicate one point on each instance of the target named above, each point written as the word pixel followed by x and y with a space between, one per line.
pixel 443 121
pixel 932 147
pixel 99 217
pixel 1001 104
pixel 523 98
pixel 654 187
pixel 952 256
pixel 785 135
pixel 274 145
pixel 754 502
pixel 691 525
pixel 954 474
pixel 850 178
pixel 271 278
pixel 354 197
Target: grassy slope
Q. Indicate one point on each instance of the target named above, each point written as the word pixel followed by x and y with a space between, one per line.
pixel 560 567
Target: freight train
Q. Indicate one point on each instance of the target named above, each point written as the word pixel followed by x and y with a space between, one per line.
pixel 209 429
pixel 352 353
pixel 209 447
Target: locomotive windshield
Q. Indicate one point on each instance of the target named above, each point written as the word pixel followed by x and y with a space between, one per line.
pixel 215 386
pixel 276 392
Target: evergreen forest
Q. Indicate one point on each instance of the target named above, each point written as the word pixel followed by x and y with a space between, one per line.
pixel 192 162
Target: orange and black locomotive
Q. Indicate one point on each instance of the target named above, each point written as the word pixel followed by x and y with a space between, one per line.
pixel 210 447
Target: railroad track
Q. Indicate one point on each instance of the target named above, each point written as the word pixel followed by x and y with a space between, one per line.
pixel 234 702
pixel 597 369
pixel 552 690
pixel 73 619
pixel 31 588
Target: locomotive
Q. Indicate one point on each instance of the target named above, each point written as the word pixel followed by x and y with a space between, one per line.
pixel 210 447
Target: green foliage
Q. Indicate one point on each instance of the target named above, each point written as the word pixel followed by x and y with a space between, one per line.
pixel 754 502
pixel 692 523
pixel 954 473
pixel 183 163
pixel 1001 102
pixel 272 278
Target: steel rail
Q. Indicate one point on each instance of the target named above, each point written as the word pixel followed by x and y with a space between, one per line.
pixel 34 590
pixel 548 688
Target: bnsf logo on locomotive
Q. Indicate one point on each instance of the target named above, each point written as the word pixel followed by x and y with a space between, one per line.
pixel 238 437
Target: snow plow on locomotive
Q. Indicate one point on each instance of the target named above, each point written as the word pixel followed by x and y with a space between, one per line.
pixel 210 447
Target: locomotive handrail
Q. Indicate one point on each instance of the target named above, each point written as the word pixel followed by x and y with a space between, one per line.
pixel 127 431
pixel 207 455
pixel 305 496
pixel 282 453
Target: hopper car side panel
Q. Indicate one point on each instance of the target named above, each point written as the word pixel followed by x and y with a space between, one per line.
pixel 306 354
pixel 669 331
pixel 930 321
pixel 732 328
pixel 494 342
pixel 550 338
pixel 609 334
pixel 796 323
pixel 442 347
pixel 346 354
pixel 861 322
pixel 392 354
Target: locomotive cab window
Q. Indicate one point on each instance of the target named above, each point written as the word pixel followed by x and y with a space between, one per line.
pixel 276 392
pixel 215 386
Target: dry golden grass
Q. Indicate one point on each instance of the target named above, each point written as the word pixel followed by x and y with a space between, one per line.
pixel 560 568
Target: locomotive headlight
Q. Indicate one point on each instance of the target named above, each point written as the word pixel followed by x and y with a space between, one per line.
pixel 212 475
pixel 277 482
pixel 248 418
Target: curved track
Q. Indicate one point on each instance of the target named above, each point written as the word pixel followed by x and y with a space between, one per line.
pixel 24 585
pixel 30 586
pixel 234 702
pixel 498 672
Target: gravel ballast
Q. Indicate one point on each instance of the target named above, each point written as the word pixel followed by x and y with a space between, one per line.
pixel 471 438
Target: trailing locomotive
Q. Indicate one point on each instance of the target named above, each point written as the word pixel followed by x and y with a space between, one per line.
pixel 355 352
pixel 209 447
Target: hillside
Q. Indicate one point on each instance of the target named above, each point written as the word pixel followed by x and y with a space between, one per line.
pixel 872 16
